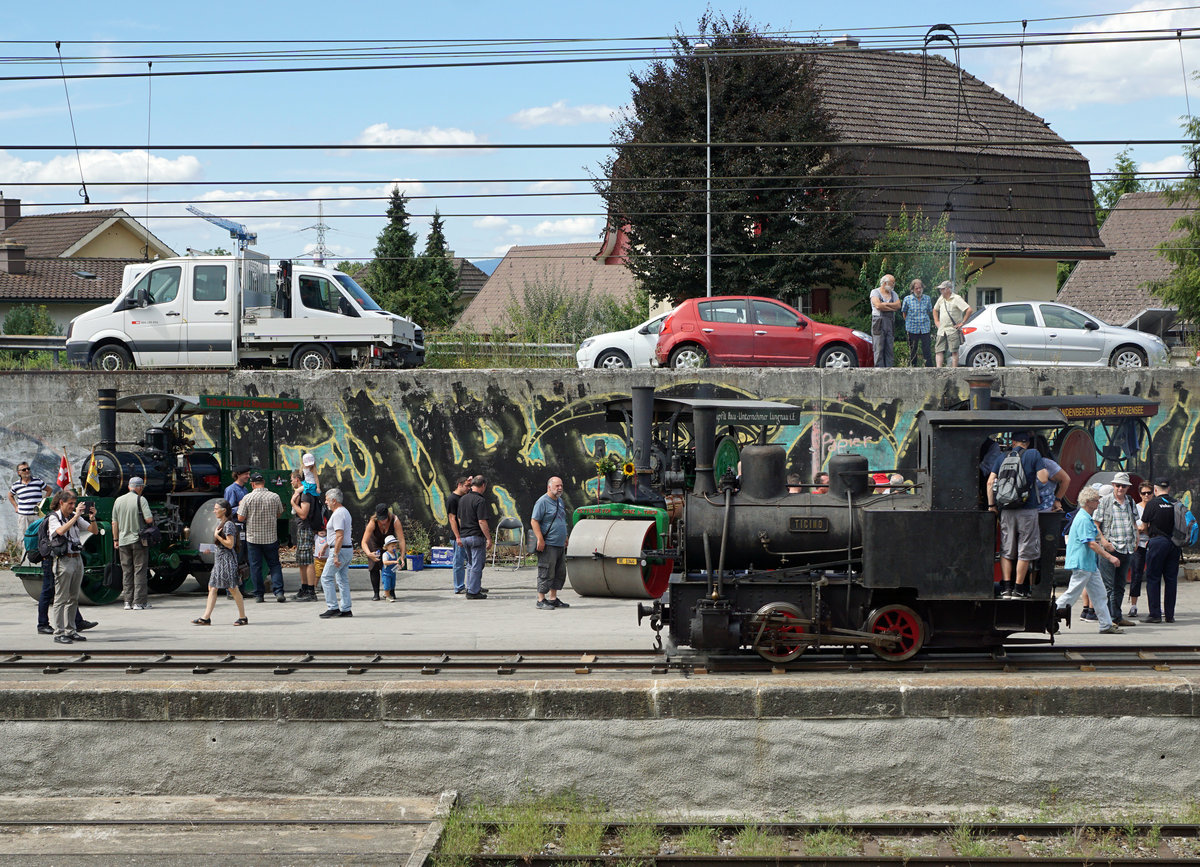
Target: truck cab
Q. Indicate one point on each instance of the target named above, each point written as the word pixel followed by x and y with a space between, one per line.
pixel 226 311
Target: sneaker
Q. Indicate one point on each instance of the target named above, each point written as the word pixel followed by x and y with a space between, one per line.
pixel 1133 612
pixel 460 590
pixel 128 607
pixel 1124 622
pixel 347 613
pixel 1006 590
pixel 545 605
pixel 1151 619
pixel 1021 591
pixel 140 607
pixel 330 612
pixel 477 596
pixel 558 603
pixel 1088 614
pixel 280 597
pixel 1113 629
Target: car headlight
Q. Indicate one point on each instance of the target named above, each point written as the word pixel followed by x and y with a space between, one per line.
pixel 861 335
pixel 587 343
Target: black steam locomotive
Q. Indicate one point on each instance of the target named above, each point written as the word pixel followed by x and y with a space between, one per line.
pixel 732 561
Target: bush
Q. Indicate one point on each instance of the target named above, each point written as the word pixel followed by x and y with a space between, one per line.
pixel 28 319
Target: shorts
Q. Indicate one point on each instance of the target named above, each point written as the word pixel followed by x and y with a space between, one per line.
pixel 948 341
pixel 551 569
pixel 1020 538
pixel 304 545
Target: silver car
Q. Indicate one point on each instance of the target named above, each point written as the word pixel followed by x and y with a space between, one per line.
pixel 633 347
pixel 1045 332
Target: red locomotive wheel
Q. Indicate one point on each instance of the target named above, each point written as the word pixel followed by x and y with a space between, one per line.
pixel 1076 452
pixel 901 621
pixel 776 630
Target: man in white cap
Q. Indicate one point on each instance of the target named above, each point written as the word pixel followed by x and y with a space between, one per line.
pixel 131 512
pixel 1116 521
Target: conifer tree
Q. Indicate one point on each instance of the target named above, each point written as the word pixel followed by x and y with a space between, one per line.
pixel 435 294
pixel 391 274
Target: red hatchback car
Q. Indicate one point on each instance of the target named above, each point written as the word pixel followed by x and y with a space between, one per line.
pixel 745 331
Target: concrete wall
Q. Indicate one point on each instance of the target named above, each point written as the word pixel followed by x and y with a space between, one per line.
pixel 400 437
pixel 805 745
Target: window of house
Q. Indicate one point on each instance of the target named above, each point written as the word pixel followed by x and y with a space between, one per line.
pixel 985 295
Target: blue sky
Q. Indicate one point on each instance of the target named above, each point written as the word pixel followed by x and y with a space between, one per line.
pixel 1086 92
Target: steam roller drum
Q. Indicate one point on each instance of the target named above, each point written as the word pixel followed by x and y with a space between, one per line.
pixel 204 524
pixel 604 558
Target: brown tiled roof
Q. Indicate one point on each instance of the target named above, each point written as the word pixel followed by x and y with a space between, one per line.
pixel 54 279
pixel 1114 290
pixel 569 266
pixel 470 277
pixel 53 234
pixel 1001 197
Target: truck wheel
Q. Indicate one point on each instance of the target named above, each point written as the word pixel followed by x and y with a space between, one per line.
pixel 311 358
pixel 112 357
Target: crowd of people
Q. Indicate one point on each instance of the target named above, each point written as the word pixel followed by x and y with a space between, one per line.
pixel 937 323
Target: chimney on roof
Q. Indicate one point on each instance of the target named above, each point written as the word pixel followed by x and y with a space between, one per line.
pixel 12 257
pixel 10 212
pixel 846 41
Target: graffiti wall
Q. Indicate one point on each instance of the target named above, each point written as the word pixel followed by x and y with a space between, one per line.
pixel 401 437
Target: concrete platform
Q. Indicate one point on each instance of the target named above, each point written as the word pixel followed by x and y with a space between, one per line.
pixel 796 743
pixel 429 616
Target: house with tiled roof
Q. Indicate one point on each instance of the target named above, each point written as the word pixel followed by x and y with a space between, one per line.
pixel 1115 289
pixel 577 270
pixel 921 133
pixel 70 261
pixel 470 280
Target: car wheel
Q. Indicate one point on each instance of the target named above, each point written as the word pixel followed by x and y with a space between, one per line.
pixel 112 358
pixel 613 359
pixel 689 356
pixel 837 356
pixel 985 356
pixel 1128 356
pixel 312 358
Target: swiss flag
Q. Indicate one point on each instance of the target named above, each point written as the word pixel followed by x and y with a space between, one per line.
pixel 64 473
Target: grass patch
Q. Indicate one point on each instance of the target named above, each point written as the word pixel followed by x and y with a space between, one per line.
pixel 582 833
pixel 830 842
pixel 909 847
pixel 755 840
pixel 523 831
pixel 967 842
pixel 640 838
pixel 462 837
pixel 699 841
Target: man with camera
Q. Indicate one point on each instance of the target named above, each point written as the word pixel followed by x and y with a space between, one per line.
pixel 131 512
pixel 66 547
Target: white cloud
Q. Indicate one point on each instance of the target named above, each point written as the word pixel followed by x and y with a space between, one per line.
pixel 1173 163
pixel 1069 76
pixel 490 223
pixel 109 166
pixel 561 114
pixel 382 134
pixel 502 250
pixel 570 226
pixel 554 187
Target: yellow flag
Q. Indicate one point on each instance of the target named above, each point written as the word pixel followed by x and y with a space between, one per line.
pixel 93 474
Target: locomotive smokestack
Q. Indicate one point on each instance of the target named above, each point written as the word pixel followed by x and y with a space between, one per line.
pixel 643 421
pixel 704 424
pixel 980 392
pixel 107 399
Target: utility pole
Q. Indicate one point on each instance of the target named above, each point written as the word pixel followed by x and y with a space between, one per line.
pixel 321 251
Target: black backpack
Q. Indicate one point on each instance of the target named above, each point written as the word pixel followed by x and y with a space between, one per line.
pixel 46 547
pixel 1012 486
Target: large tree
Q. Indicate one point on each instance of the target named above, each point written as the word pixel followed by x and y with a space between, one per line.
pixel 391 274
pixel 1123 179
pixel 1182 288
pixel 435 295
pixel 775 217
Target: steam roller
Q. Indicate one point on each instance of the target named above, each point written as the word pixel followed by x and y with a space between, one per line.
pixel 617 557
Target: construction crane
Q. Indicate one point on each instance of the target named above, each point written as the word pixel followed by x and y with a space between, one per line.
pixel 237 231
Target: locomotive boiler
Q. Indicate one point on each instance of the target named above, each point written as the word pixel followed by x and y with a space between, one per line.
pixel 741 564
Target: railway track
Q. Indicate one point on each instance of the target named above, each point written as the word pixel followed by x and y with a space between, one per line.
pixel 1013 659
pixel 844 843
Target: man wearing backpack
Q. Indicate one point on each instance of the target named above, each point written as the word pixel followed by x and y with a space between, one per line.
pixel 1162 555
pixel 1020 539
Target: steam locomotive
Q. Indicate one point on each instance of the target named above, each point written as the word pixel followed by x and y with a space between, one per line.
pixel 733 562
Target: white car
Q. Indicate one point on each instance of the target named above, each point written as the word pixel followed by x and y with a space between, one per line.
pixel 633 347
pixel 1045 332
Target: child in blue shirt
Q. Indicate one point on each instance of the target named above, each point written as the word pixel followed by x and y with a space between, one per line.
pixel 390 557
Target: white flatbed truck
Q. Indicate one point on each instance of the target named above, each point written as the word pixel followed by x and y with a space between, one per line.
pixel 239 311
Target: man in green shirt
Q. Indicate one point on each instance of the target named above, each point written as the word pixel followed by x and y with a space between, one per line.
pixel 134 557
